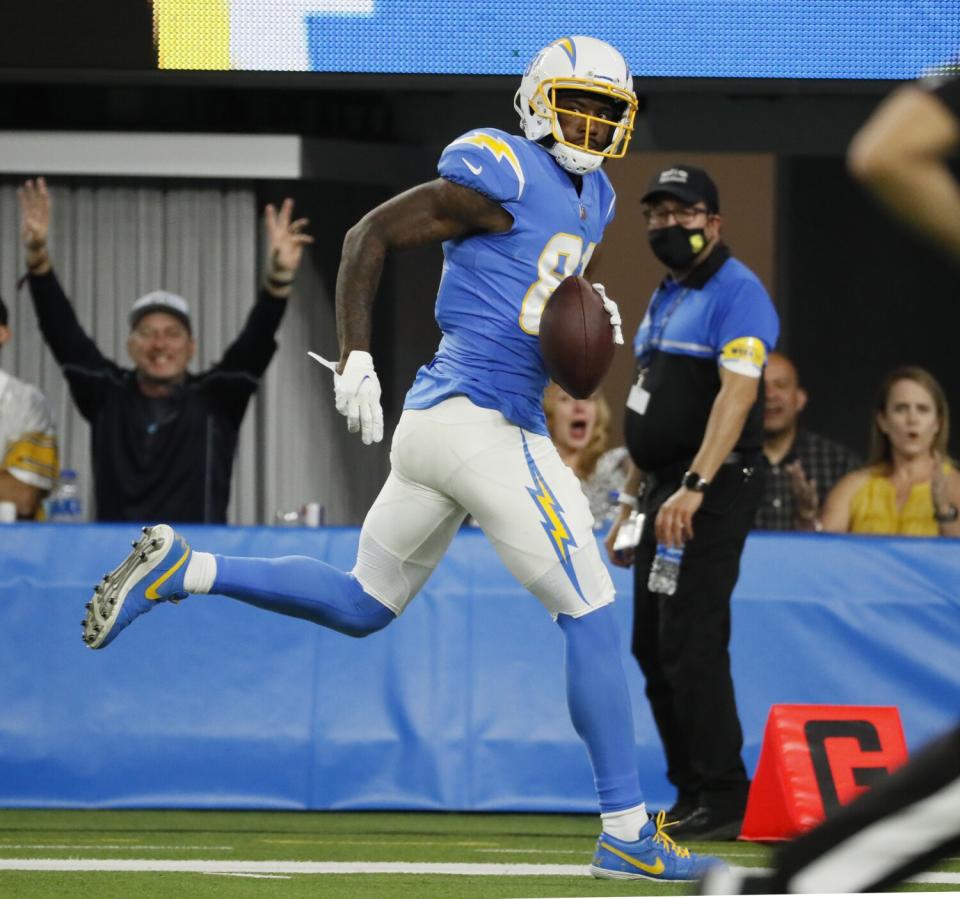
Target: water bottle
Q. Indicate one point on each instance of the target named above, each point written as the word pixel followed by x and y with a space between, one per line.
pixel 665 570
pixel 63 504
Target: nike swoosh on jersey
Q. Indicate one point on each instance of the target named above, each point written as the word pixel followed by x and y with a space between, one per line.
pixel 475 169
pixel 656 868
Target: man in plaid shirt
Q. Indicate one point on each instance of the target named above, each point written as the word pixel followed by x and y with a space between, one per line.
pixel 799 467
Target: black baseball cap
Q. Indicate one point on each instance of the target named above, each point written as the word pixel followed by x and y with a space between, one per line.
pixel 3 313
pixel 685 182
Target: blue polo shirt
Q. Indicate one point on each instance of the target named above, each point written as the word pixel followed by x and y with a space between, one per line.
pixel 719 316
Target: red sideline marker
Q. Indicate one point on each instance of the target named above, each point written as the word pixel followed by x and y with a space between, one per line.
pixel 815 758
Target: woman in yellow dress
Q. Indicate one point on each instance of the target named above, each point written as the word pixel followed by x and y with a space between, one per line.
pixel 909 486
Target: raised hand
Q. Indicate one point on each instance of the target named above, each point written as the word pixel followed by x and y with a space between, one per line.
pixel 34 217
pixel 286 239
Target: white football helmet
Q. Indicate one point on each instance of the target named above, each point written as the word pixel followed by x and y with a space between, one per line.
pixel 587 65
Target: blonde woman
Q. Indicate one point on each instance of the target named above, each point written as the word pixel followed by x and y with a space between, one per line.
pixel 908 485
pixel 580 430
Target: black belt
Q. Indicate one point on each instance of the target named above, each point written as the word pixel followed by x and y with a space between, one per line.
pixel 739 458
pixel 743 459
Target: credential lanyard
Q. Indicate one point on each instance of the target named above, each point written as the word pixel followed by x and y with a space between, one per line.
pixel 658 324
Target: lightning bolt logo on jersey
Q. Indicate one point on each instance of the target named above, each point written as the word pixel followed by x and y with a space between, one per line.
pixel 494 286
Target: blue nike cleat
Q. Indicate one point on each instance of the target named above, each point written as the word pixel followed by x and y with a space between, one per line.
pixel 655 856
pixel 151 573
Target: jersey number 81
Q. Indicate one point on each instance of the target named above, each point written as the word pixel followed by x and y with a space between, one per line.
pixel 562 256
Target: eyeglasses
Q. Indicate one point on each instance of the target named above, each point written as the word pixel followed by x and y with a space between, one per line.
pixel 683 215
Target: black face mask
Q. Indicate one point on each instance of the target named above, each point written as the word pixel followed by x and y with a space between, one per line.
pixel 676 247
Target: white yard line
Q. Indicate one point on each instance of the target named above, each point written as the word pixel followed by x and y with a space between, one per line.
pixel 238 874
pixel 125 847
pixel 266 868
pixel 226 866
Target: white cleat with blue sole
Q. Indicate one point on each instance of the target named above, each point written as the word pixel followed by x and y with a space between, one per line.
pixel 150 574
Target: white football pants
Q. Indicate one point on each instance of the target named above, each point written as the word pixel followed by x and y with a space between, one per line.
pixel 457 458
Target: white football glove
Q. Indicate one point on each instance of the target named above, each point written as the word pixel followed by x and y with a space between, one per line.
pixel 357 395
pixel 613 311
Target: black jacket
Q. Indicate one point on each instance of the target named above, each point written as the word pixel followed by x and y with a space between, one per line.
pixel 158 460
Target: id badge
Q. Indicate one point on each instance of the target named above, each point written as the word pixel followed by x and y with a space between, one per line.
pixel 638 397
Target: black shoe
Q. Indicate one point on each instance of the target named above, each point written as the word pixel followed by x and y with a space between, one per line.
pixel 705 823
pixel 684 806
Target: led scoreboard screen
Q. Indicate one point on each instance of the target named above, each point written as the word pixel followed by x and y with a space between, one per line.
pixel 759 39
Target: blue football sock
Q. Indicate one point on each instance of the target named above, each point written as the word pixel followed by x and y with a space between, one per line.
pixel 303 588
pixel 600 706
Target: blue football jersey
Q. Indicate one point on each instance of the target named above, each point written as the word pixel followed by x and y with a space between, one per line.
pixel 494 286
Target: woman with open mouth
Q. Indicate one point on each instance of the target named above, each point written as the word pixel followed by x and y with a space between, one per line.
pixel 580 432
pixel 908 486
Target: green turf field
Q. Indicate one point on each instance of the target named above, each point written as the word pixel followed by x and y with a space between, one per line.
pixel 290 854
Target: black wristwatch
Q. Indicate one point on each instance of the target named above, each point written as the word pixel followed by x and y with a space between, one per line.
pixel 693 481
pixel 949 515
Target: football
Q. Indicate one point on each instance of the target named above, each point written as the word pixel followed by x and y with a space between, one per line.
pixel 576 339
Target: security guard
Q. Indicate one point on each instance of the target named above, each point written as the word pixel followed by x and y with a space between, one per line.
pixel 694 428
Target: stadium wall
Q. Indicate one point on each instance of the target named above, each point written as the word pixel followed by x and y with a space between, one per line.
pixel 457 706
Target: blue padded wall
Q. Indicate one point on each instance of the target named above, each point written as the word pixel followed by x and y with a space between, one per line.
pixel 457 705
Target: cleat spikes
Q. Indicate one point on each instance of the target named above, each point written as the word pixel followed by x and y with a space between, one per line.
pixel 119 597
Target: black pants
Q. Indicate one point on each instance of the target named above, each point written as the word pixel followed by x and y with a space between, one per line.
pixel 681 641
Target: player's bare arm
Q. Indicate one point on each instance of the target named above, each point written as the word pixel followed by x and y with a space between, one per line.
pixel 427 214
pixel 900 155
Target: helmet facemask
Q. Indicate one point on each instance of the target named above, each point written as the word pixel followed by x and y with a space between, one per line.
pixel 620 122
pixel 589 67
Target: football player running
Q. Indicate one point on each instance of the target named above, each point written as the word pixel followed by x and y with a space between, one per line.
pixel 515 215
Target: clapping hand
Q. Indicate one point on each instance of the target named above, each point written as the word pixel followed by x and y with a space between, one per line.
pixel 939 488
pixel 804 491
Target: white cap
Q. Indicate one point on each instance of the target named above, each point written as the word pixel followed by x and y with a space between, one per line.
pixel 160 301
